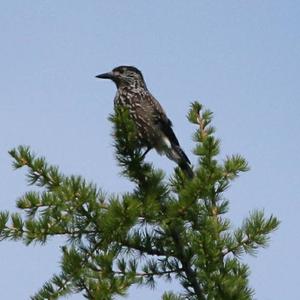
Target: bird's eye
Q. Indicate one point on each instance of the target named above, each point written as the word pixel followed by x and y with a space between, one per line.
pixel 121 71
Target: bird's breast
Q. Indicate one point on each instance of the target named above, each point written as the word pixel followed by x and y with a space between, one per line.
pixel 142 113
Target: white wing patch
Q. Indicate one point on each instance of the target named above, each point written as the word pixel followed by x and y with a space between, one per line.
pixel 167 142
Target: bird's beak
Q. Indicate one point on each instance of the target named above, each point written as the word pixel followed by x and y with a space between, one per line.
pixel 108 75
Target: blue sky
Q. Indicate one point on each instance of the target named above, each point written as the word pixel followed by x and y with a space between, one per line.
pixel 239 58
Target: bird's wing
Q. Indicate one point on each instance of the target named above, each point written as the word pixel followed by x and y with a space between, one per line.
pixel 163 121
pixel 165 124
pixel 166 127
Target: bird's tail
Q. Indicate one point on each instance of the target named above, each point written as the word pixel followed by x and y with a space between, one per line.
pixel 178 155
pixel 186 168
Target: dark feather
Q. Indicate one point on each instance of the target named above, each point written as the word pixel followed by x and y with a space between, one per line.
pixel 186 168
pixel 168 131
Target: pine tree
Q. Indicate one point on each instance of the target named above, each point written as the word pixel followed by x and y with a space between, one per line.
pixel 173 229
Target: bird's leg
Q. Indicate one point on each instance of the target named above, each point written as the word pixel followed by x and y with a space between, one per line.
pixel 147 150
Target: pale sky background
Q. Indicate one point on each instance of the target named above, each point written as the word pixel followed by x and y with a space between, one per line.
pixel 241 59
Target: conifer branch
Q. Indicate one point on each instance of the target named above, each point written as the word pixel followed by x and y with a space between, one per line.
pixel 143 274
pixel 158 230
pixel 142 249
pixel 186 265
pixel 88 292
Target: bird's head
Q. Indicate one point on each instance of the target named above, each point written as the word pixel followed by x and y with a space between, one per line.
pixel 125 76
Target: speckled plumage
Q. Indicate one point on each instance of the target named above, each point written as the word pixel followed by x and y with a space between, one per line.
pixel 154 128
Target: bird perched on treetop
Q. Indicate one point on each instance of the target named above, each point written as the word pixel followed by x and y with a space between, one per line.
pixel 154 128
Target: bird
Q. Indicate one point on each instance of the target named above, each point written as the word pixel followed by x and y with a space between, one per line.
pixel 154 128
